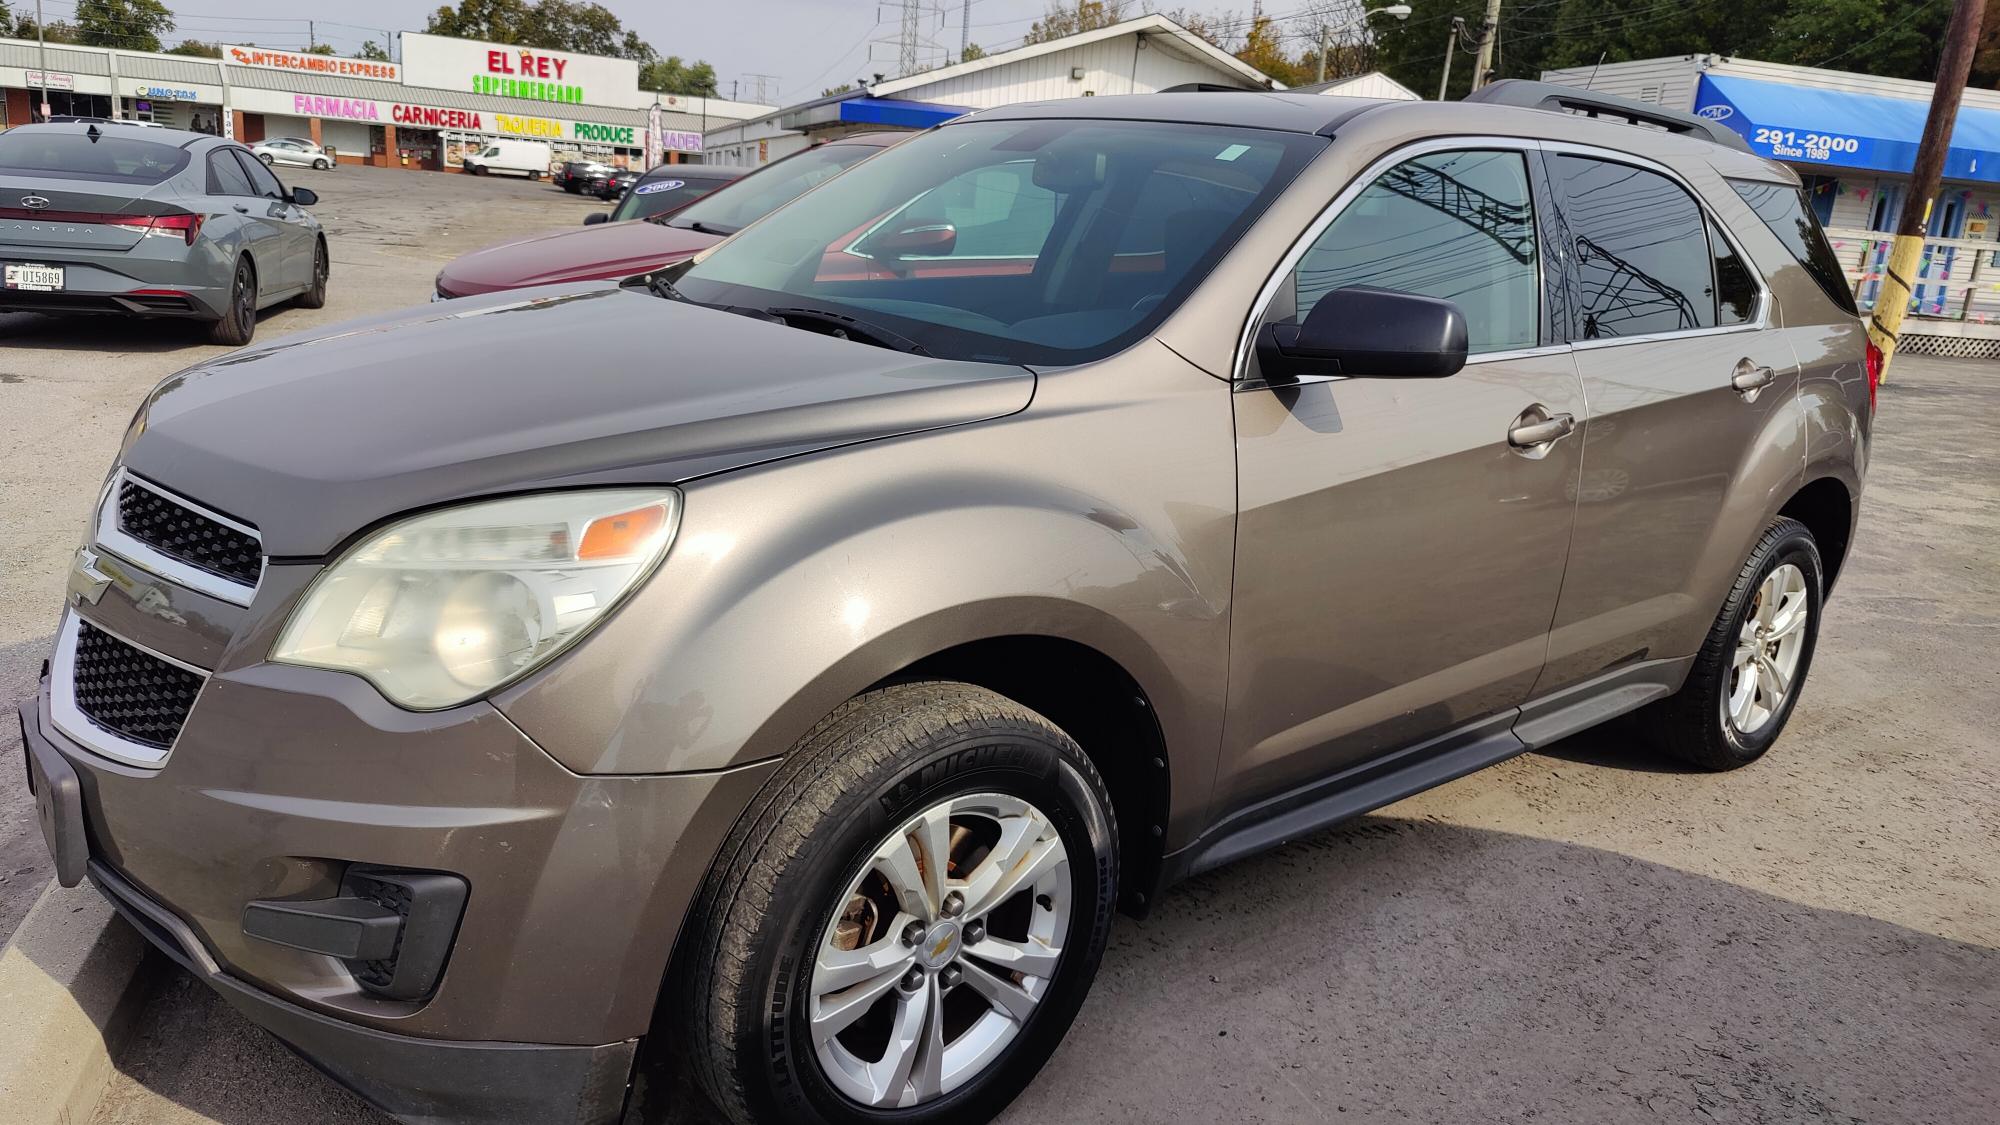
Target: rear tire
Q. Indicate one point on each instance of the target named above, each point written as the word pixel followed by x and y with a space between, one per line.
pixel 534 175
pixel 239 321
pixel 1748 675
pixel 315 295
pixel 809 913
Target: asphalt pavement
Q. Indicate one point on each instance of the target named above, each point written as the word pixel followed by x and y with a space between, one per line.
pixel 1587 935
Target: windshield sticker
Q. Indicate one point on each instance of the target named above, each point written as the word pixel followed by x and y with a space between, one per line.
pixel 1232 152
pixel 663 185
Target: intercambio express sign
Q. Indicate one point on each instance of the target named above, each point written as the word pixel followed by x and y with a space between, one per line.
pixel 501 70
pixel 313 64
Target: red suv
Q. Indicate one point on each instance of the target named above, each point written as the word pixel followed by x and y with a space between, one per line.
pixel 630 244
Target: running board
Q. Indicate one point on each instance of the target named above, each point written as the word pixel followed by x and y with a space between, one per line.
pixel 1328 801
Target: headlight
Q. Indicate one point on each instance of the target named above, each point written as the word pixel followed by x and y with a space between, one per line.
pixel 445 607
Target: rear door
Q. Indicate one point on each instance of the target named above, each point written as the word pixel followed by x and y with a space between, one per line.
pixel 1398 556
pixel 229 181
pixel 1693 399
pixel 295 233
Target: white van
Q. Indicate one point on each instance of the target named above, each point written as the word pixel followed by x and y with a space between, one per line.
pixel 524 158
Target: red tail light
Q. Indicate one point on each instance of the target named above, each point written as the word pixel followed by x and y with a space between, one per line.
pixel 185 226
pixel 1874 373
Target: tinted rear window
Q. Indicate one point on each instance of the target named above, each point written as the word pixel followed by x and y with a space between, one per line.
pixel 75 155
pixel 1784 210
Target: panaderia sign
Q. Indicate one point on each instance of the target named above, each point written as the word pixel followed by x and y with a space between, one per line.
pixel 313 64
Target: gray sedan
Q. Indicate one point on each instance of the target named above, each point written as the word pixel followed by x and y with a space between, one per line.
pixel 154 222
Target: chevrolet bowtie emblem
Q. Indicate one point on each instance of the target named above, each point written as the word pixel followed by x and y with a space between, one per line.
pixel 86 582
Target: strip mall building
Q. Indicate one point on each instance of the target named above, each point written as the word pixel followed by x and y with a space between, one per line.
pixel 445 97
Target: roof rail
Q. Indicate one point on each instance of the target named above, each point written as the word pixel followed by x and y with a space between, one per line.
pixel 1549 95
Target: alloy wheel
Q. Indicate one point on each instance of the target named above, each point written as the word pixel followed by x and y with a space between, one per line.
pixel 1768 647
pixel 940 950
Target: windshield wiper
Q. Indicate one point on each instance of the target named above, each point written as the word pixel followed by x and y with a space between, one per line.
pixel 850 328
pixel 708 228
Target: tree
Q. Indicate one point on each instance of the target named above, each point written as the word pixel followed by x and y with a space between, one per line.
pixel 133 24
pixel 672 76
pixel 197 48
pixel 1063 20
pixel 321 49
pixel 840 89
pixel 372 50
pixel 975 51
pixel 557 25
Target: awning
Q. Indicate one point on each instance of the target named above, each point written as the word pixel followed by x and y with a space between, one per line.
pixel 1805 125
pixel 893 112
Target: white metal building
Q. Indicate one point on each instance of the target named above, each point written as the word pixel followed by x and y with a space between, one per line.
pixel 1853 139
pixel 1138 56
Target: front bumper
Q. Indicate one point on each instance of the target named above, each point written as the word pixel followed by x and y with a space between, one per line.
pixel 286 778
pixel 422 1081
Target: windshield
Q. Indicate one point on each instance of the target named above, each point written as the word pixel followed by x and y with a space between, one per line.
pixel 737 205
pixel 657 197
pixel 118 159
pixel 1012 241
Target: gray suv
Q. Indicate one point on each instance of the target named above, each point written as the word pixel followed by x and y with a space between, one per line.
pixel 1076 497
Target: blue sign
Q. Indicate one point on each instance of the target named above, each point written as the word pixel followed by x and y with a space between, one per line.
pixel 658 185
pixel 168 94
pixel 1810 125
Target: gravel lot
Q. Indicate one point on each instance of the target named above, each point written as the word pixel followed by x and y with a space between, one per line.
pixel 1586 935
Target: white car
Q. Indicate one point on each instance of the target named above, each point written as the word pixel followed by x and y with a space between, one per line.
pixel 292 150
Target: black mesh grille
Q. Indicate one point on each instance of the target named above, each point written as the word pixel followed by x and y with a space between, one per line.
pixel 128 691
pixel 187 535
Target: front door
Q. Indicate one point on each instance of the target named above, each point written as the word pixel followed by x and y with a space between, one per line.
pixel 295 234
pixel 1398 556
pixel 1688 394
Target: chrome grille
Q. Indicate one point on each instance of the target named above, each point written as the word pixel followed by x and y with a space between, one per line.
pixel 128 691
pixel 189 536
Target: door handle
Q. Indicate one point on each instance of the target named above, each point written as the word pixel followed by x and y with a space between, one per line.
pixel 1526 434
pixel 1749 379
pixel 240 208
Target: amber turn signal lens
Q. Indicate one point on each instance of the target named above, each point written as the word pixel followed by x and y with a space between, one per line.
pixel 623 535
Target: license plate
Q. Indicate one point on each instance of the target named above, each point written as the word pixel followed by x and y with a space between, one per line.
pixel 59 808
pixel 44 279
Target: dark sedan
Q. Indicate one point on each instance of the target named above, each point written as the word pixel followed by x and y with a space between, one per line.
pixel 665 189
pixel 571 175
pixel 613 184
pixel 624 249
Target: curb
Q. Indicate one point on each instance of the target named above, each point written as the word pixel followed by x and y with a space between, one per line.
pixel 70 985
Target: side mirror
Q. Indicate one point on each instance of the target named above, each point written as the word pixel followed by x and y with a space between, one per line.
pixel 930 240
pixel 304 196
pixel 1364 332
pixel 595 218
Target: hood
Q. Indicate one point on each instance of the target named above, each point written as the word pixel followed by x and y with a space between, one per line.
pixel 316 437
pixel 598 253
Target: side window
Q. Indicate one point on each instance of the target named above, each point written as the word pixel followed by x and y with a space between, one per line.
pixel 261 178
pixel 997 211
pixel 226 177
pixel 1783 209
pixel 1456 225
pixel 1735 289
pixel 1642 252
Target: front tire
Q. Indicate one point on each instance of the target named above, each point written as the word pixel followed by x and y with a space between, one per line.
pixel 321 164
pixel 906 919
pixel 1747 677
pixel 266 158
pixel 239 321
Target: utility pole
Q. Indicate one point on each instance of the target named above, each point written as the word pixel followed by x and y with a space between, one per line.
pixel 1954 67
pixel 312 37
pixel 1488 32
pixel 1457 32
pixel 1322 52
pixel 964 29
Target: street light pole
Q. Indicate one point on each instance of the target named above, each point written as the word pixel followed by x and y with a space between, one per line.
pixel 1400 11
pixel 42 44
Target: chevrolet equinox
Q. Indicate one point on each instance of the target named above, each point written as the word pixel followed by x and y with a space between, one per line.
pixel 1070 499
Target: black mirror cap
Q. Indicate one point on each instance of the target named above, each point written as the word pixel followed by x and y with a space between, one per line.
pixel 304 196
pixel 1363 332
pixel 595 218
